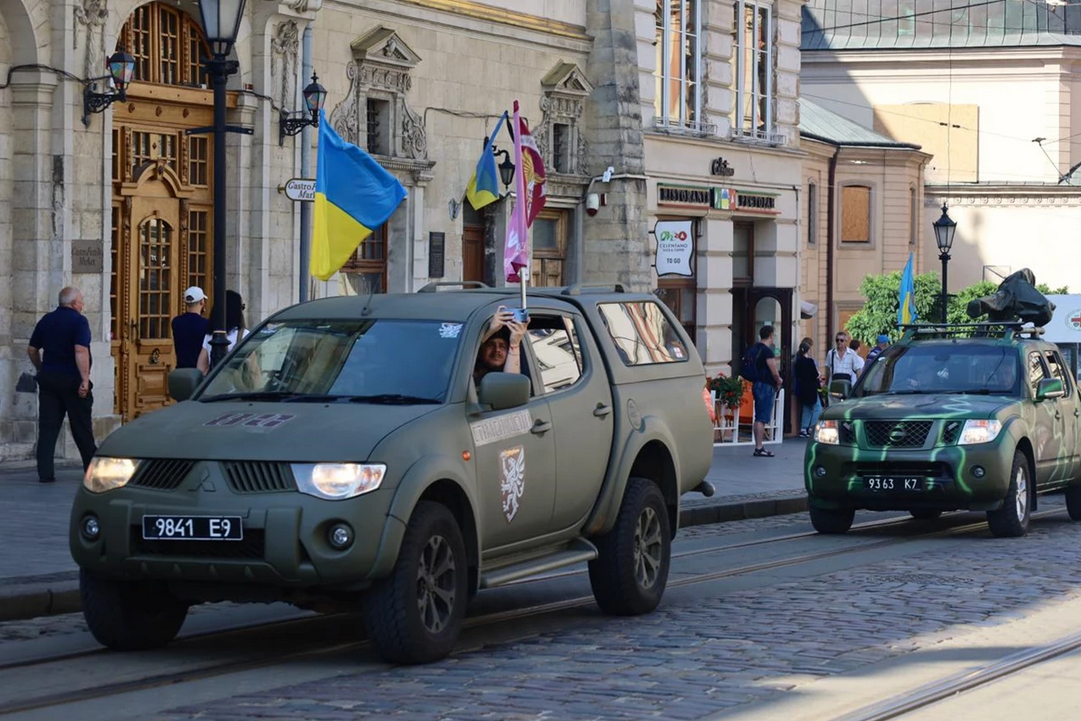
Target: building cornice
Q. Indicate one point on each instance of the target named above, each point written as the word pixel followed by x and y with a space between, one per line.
pixel 1004 194
pixel 716 144
pixel 957 56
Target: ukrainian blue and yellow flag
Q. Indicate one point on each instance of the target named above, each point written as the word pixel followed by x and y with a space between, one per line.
pixel 354 195
pixel 906 312
pixel 483 188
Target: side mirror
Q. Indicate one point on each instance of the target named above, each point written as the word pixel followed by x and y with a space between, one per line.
pixel 183 382
pixel 503 390
pixel 1050 388
pixel 839 389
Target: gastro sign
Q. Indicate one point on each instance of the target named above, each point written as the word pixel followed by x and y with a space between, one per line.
pixel 675 246
pixel 299 190
pixel 745 201
pixel 685 196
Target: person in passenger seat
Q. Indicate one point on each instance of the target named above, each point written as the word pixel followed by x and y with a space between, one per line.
pixel 501 347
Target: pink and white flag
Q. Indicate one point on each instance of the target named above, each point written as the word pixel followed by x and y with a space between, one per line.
pixel 529 186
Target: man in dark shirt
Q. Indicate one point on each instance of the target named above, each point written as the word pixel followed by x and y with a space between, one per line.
pixel 60 351
pixel 189 329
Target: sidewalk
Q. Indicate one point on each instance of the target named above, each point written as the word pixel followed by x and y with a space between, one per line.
pixel 38 577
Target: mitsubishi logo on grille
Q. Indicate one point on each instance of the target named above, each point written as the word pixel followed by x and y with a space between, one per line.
pixel 898 433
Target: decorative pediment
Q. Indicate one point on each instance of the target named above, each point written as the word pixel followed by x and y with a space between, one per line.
pixel 382 46
pixel 566 78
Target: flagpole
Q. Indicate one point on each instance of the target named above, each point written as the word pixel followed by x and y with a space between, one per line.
pixel 520 204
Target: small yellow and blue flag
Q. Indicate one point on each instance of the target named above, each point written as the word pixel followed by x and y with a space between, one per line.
pixel 354 195
pixel 483 187
pixel 906 311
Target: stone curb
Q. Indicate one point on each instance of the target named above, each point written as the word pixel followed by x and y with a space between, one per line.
pixel 26 598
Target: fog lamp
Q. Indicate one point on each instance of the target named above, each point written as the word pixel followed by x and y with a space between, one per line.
pixel 91 528
pixel 820 472
pixel 340 536
pixel 979 471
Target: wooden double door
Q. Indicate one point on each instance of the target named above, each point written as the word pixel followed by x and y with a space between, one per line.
pixel 161 244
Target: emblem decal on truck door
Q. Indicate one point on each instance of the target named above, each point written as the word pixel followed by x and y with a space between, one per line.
pixel 512 479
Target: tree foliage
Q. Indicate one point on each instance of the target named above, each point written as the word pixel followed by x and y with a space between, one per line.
pixel 879 314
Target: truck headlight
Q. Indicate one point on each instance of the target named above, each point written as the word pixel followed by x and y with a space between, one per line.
pixel 337 481
pixel 106 474
pixel 976 431
pixel 826 432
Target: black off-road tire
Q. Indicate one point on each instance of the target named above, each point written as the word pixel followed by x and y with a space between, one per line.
pixel 1011 521
pixel 1073 501
pixel 400 631
pixel 130 615
pixel 630 573
pixel 923 514
pixel 832 521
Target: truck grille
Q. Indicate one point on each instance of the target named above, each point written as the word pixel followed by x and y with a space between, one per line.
pixel 161 474
pixel 950 431
pixel 251 547
pixel 258 477
pixel 896 434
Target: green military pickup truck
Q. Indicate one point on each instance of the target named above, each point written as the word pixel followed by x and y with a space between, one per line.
pixel 979 417
pixel 344 456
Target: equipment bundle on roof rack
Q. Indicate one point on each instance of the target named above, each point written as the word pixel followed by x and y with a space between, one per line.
pixel 1015 299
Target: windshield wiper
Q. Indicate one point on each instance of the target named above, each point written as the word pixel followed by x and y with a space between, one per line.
pixel 251 396
pixel 392 398
pixel 908 393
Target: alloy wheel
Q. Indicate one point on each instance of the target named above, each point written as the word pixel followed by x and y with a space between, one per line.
pixel 1021 482
pixel 436 576
pixel 648 548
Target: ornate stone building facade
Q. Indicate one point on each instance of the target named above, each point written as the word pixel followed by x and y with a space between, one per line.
pixel 121 204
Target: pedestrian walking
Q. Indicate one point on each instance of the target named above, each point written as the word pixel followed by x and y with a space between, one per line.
pixel 59 349
pixel 808 380
pixel 236 328
pixel 766 386
pixel 190 328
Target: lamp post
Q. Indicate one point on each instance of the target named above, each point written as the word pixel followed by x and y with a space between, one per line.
pixel 221 22
pixel 314 97
pixel 944 227
pixel 121 72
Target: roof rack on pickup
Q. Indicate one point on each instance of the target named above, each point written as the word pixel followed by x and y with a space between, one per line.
pixel 1007 330
pixel 433 286
pixel 577 288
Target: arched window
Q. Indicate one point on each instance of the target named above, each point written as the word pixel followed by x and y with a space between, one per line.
pixel 167 45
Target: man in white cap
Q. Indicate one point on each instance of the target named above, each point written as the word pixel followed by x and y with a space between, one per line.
pixel 190 328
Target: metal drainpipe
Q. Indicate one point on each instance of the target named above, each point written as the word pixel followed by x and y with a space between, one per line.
pixel 830 196
pixel 305 164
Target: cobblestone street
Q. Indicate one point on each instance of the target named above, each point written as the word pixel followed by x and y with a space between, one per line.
pixel 701 653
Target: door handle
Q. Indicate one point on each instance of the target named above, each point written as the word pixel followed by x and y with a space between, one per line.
pixel 602 410
pixel 1077 412
pixel 540 427
pixel 134 330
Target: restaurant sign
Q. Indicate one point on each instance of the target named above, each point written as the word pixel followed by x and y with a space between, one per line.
pixel 684 196
pixel 745 201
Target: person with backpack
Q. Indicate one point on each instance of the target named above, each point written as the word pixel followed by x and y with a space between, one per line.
pixel 759 366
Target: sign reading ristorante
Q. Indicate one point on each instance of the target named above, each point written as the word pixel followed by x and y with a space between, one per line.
pixel 685 196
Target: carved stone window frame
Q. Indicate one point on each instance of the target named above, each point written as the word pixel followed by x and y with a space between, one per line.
pixel 563 102
pixel 382 69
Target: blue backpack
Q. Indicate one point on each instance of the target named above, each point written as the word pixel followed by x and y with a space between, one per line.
pixel 748 365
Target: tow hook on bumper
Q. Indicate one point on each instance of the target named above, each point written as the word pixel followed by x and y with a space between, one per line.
pixel 705 488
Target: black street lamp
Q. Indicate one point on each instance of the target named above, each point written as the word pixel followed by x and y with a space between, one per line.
pixel 221 22
pixel 506 168
pixel 292 123
pixel 121 71
pixel 944 227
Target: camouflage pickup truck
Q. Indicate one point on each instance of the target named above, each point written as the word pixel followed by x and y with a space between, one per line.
pixel 344 456
pixel 980 417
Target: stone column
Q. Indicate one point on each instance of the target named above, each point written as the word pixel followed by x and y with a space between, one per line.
pixel 714 312
pixel 616 239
